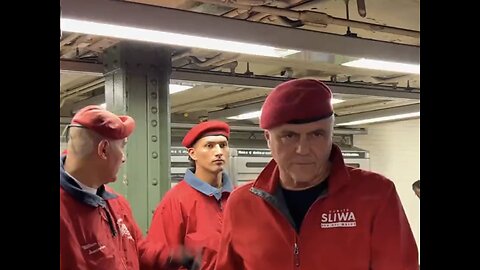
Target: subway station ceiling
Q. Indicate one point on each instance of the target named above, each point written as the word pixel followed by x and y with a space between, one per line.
pixel 319 38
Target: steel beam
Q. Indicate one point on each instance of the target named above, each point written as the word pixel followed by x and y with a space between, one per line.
pixel 85 68
pixel 270 82
pixel 206 25
pixel 378 113
pixel 338 130
pixel 136 84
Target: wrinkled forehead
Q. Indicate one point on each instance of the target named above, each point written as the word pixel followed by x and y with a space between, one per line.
pixel 323 124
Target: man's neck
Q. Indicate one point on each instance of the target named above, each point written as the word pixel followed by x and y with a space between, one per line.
pixel 82 173
pixel 215 180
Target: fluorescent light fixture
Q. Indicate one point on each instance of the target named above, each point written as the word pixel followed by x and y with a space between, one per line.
pixel 384 65
pixel 336 101
pixel 243 116
pixel 175 88
pixel 256 114
pixel 125 32
pixel 381 119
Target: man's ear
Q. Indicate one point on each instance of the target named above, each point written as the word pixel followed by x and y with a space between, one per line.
pixel 102 149
pixel 267 137
pixel 192 154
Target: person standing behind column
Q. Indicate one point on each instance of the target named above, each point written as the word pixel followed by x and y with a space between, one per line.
pixel 191 212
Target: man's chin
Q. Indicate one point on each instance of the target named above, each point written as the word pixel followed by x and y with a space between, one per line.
pixel 111 180
pixel 303 179
pixel 218 169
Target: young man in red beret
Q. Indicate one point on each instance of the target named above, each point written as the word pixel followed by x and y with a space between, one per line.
pixel 307 210
pixel 191 213
pixel 97 228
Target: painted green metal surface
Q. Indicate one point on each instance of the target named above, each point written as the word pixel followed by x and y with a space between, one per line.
pixel 136 83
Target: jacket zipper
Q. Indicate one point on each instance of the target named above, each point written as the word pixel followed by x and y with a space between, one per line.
pixel 110 222
pixel 296 253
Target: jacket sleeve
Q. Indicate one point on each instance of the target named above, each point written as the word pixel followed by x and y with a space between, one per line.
pixel 227 258
pixel 165 235
pixel 393 244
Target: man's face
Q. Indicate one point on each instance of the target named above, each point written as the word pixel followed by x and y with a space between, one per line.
pixel 210 153
pixel 115 157
pixel 302 150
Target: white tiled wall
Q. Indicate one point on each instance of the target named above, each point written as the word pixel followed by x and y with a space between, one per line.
pixel 395 152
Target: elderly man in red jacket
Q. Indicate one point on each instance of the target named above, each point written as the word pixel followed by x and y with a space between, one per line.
pixel 191 213
pixel 97 228
pixel 307 210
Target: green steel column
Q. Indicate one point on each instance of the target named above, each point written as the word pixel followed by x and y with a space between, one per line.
pixel 136 83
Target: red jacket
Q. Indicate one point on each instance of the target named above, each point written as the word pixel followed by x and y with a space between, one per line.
pixel 191 215
pixel 358 224
pixel 96 232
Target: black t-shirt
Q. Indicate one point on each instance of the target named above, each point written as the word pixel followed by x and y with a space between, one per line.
pixel 299 201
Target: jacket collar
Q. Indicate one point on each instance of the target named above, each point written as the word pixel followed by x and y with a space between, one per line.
pixel 72 188
pixel 206 188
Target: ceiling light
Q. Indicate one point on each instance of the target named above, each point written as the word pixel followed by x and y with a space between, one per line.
pixel 381 119
pixel 175 88
pixel 125 32
pixel 256 114
pixel 336 101
pixel 384 65
pixel 243 116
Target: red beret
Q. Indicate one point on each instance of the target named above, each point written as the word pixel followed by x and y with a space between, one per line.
pixel 105 123
pixel 296 101
pixel 213 127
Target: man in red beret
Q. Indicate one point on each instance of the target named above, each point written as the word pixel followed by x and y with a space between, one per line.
pixel 97 228
pixel 307 209
pixel 191 212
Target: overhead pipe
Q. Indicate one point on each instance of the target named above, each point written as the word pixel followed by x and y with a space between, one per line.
pixel 257 17
pixel 234 13
pixel 230 65
pixel 283 21
pixel 210 62
pixel 233 58
pixel 183 54
pixel 250 2
pixel 81 90
pixel 319 18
